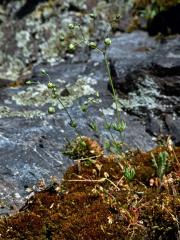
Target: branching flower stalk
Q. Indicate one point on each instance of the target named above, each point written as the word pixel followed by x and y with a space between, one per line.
pixel 161 164
pixel 171 149
pixel 107 42
pixel 52 86
pixel 118 125
pixel 81 31
pixel 93 45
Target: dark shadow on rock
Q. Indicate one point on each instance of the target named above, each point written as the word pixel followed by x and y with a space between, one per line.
pixel 28 7
pixel 166 22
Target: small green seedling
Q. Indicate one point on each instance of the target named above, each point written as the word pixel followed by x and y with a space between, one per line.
pixel 113 146
pixel 120 126
pixel 88 162
pixel 129 173
pixel 161 164
pixel 93 126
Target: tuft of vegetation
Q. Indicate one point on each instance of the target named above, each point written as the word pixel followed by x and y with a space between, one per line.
pixel 161 164
pixel 83 147
pixel 129 173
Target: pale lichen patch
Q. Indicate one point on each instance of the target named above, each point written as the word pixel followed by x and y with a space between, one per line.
pixel 13 66
pixel 107 111
pixel 23 38
pixel 145 96
pixel 39 95
pixel 88 80
pixel 8 112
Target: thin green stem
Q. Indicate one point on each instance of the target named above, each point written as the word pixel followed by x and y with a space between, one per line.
pixel 64 107
pixel 112 85
pixel 71 120
pixel 106 122
pixel 59 99
pixel 110 79
pixel 81 31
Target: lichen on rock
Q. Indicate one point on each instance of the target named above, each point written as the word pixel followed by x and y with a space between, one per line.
pixel 38 95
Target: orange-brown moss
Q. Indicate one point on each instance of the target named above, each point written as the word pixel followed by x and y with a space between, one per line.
pixel 96 202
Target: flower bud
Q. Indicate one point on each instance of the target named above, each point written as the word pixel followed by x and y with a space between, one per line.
pixel 71 26
pixel 51 110
pixel 92 45
pixel 50 85
pixel 71 47
pixel 107 41
pixel 61 38
pixel 92 15
pixel 73 124
pixel 43 71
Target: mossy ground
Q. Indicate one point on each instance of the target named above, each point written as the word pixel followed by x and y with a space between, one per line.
pixel 95 201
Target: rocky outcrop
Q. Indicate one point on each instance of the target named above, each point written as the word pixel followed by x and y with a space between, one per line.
pixel 32 141
pixel 148 81
pixel 146 76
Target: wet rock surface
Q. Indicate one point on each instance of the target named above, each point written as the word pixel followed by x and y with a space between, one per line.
pixel 146 76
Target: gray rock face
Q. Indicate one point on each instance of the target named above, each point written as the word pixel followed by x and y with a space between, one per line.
pixel 146 77
pixel 148 81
